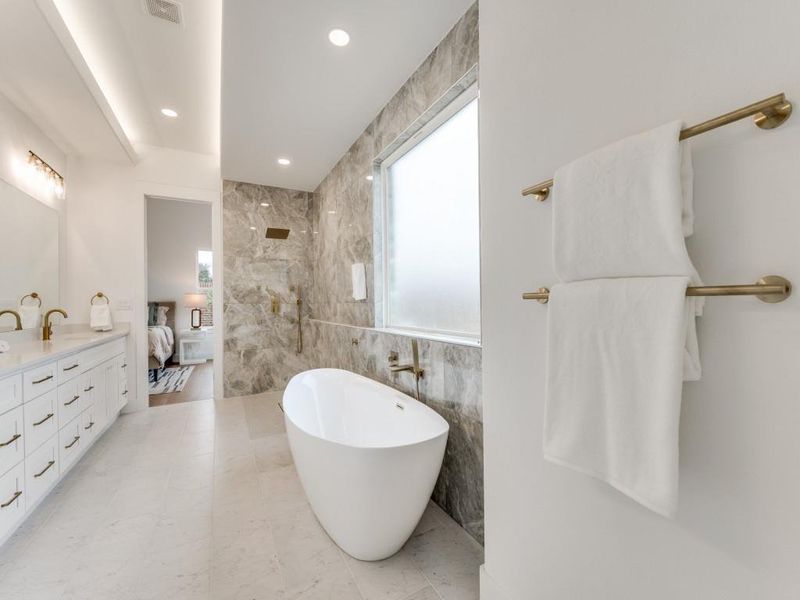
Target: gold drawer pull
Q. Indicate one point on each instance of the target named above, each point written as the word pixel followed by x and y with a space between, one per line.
pixel 49 416
pixel 11 441
pixel 72 443
pixel 13 498
pixel 38 381
pixel 75 366
pixel 43 471
pixel 74 399
pixel 89 426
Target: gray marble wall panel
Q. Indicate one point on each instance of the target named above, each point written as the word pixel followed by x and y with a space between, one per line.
pixel 451 386
pixel 259 344
pixel 342 207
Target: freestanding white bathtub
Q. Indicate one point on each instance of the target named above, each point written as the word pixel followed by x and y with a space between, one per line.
pixel 368 457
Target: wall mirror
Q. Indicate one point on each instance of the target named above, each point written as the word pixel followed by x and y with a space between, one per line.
pixel 28 252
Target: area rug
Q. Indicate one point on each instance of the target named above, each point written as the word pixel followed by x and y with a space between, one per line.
pixel 170 380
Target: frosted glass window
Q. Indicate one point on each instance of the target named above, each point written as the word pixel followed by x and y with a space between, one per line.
pixel 432 262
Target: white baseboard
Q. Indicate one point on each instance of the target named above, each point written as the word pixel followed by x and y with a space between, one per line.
pixel 490 590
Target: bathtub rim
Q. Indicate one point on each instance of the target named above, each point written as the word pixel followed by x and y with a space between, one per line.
pixel 445 432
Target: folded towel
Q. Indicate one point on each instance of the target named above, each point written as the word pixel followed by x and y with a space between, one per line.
pixel 619 349
pixel 615 363
pixel 4 346
pixel 30 315
pixel 623 211
pixel 100 317
pixel 359 275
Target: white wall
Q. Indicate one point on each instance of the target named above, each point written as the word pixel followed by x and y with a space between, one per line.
pixel 559 79
pixel 175 232
pixel 106 247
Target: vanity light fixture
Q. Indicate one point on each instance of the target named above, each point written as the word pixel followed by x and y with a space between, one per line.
pixel 339 37
pixel 46 172
pixel 168 112
pixel 284 162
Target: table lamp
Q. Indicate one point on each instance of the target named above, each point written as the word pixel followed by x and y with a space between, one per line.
pixel 194 301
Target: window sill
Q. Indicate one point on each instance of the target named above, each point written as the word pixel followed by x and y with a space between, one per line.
pixel 434 337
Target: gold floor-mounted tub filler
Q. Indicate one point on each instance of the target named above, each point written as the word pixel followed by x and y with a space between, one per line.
pixel 767 114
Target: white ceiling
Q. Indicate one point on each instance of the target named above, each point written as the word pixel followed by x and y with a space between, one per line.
pixel 288 92
pixel 143 64
pixel 37 75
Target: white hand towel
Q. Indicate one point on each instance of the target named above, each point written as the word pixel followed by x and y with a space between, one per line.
pixel 614 378
pixel 4 346
pixel 100 317
pixel 623 211
pixel 359 275
pixel 30 315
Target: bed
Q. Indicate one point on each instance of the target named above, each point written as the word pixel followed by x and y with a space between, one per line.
pixel 160 335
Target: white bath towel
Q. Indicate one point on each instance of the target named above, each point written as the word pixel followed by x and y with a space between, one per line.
pixel 614 377
pixel 100 317
pixel 359 275
pixel 30 315
pixel 621 333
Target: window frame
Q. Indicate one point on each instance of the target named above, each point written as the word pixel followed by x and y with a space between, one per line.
pixel 441 116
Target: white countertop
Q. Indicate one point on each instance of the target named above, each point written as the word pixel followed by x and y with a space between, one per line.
pixel 27 352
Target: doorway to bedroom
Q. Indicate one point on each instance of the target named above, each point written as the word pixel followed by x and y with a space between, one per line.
pixel 180 322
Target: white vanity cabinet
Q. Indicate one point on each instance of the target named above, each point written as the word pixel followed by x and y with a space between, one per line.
pixel 50 414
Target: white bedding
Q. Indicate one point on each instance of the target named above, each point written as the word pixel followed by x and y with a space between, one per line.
pixel 161 343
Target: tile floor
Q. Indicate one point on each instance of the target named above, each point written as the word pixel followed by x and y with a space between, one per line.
pixel 201 501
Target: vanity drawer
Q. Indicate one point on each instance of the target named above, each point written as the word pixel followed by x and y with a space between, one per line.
pixel 69 444
pixel 70 401
pixel 10 393
pixel 70 367
pixel 12 443
pixel 39 380
pixel 12 499
pixel 41 470
pixel 41 420
pixel 88 427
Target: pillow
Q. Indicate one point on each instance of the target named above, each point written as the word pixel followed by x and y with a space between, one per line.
pixel 161 317
pixel 151 314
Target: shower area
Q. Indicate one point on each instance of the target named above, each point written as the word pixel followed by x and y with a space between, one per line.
pixel 267 247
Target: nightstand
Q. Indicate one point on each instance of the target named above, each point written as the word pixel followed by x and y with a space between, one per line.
pixel 191 346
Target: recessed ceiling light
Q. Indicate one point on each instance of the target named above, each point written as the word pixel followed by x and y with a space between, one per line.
pixel 253 228
pixel 284 162
pixel 369 177
pixel 331 212
pixel 339 37
pixel 264 204
pixel 168 112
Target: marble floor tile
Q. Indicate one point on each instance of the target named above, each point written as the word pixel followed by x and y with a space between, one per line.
pixel 201 500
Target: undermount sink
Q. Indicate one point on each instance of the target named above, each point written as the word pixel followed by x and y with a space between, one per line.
pixel 82 335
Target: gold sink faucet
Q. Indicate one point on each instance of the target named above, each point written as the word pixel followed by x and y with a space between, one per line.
pixel 16 316
pixel 47 328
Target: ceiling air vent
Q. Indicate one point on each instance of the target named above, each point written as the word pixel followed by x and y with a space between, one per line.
pixel 164 9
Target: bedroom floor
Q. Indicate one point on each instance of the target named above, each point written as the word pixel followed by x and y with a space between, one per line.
pixel 199 387
pixel 201 501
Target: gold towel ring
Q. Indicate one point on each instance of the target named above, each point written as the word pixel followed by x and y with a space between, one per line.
pixel 100 295
pixel 33 295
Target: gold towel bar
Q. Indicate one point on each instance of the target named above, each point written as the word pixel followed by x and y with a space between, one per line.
pixel 771 288
pixel 767 114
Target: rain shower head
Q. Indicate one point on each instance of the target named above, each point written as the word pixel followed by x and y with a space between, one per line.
pixel 276 233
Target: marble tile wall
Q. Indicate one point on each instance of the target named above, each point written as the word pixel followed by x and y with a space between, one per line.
pixel 259 344
pixel 342 208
